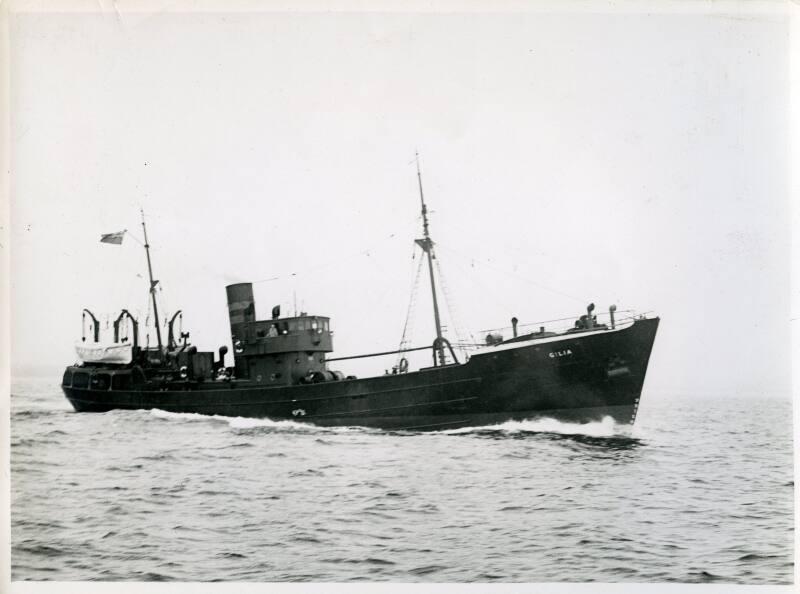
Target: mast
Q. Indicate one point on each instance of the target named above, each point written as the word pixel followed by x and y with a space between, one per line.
pixel 153 283
pixel 426 243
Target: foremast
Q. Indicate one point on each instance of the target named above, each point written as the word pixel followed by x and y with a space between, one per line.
pixel 426 243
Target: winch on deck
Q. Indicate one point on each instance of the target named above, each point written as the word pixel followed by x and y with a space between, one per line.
pixel 279 351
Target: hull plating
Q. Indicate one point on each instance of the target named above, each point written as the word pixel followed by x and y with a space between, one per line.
pixel 573 378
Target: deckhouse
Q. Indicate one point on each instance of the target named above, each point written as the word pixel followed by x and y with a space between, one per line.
pixel 278 351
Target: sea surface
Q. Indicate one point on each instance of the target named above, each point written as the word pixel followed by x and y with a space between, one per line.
pixel 700 490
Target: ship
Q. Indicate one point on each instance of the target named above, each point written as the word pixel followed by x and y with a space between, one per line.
pixel 282 369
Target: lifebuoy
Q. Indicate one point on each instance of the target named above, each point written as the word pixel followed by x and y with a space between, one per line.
pixel 184 372
pixel 403 367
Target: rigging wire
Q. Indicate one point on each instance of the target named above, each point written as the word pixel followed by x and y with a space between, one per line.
pixel 131 289
pixel 451 310
pixel 534 283
pixel 506 245
pixel 167 310
pixel 409 323
pixel 488 290
pixel 378 244
pixel 601 314
pixel 146 324
pixel 133 237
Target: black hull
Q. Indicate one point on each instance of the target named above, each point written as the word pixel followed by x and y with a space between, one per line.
pixel 572 377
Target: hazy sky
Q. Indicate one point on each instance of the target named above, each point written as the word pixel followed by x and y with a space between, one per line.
pixel 635 159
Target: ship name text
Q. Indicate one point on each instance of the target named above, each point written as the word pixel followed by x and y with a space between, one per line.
pixel 564 353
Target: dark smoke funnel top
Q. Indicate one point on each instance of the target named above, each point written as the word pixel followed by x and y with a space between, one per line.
pixel 241 305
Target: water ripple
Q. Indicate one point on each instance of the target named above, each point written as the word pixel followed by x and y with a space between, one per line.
pixel 152 495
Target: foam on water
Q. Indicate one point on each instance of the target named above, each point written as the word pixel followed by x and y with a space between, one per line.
pixel 251 423
pixel 165 414
pixel 605 428
pixel 152 495
pixel 233 422
pixel 247 423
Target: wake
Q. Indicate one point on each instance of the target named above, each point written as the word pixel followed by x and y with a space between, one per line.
pixel 605 428
pixel 250 423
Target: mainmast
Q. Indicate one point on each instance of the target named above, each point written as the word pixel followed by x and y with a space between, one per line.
pixel 153 283
pixel 426 243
